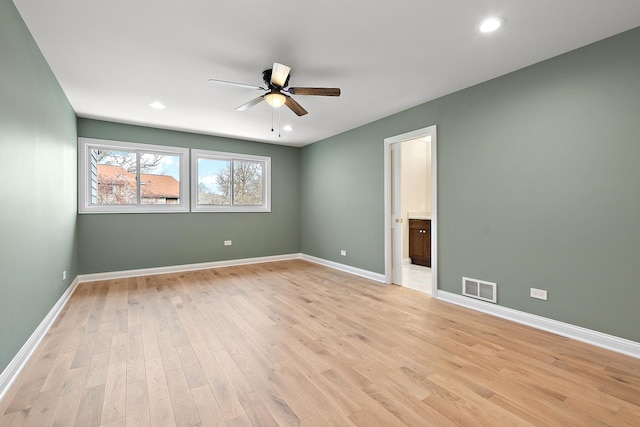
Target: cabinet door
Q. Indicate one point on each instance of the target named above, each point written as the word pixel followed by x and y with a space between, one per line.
pixel 416 244
pixel 427 246
pixel 420 241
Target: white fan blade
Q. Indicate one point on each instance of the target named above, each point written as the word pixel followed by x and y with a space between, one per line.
pixel 236 84
pixel 279 74
pixel 251 103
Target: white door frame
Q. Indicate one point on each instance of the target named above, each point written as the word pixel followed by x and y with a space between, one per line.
pixel 388 142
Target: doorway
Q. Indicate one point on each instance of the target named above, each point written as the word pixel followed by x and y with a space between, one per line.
pixel 413 201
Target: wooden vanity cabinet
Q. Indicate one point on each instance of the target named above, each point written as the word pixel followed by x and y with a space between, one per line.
pixel 420 241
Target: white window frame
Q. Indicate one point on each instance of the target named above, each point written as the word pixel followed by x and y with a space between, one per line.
pixel 218 155
pixel 84 170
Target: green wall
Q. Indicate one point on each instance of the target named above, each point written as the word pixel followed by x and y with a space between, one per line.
pixel 115 242
pixel 37 186
pixel 341 204
pixel 538 186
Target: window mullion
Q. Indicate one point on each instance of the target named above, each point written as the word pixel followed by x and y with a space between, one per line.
pixel 264 188
pixel 232 183
pixel 138 181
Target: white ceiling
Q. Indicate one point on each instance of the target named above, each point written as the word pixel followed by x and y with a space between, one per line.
pixel 113 57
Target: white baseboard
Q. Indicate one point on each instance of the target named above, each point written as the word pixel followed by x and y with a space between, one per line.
pixel 406 261
pixel 83 278
pixel 599 339
pixel 347 268
pixel 10 373
pixel 182 268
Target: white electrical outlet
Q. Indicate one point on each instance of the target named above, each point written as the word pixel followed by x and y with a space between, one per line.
pixel 228 242
pixel 343 252
pixel 64 275
pixel 538 293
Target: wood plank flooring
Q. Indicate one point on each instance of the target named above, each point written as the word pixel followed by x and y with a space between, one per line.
pixel 294 343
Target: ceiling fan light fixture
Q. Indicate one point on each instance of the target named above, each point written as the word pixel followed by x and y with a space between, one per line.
pixel 276 100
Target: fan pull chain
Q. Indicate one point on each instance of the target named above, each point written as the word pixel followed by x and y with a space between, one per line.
pixel 272 113
pixel 279 126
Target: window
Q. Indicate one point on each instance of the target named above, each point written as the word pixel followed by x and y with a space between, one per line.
pixel 129 178
pixel 230 182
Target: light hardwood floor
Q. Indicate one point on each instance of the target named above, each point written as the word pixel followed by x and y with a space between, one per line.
pixel 294 343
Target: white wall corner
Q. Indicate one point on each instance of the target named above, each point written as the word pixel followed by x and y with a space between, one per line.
pixel 13 369
pixel 598 339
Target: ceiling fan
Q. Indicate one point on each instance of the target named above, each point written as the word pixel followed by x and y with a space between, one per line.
pixel 278 92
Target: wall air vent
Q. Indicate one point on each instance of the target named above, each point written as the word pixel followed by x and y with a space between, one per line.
pixel 486 291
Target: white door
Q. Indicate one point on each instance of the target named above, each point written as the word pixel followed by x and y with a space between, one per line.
pixel 397 220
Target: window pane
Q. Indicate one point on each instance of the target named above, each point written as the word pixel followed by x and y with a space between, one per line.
pixel 159 179
pixel 247 183
pixel 113 177
pixel 125 177
pixel 214 182
pixel 227 182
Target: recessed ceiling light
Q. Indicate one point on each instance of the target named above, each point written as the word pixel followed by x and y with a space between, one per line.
pixel 157 105
pixel 287 128
pixel 491 24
